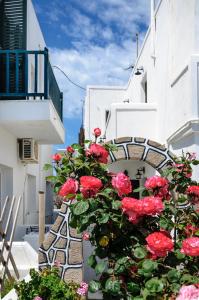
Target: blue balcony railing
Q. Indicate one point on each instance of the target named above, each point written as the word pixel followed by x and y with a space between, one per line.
pixel 27 74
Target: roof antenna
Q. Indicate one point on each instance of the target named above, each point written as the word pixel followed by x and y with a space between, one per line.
pixel 137 44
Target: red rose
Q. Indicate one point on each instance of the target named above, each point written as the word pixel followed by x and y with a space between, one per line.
pixel 97 132
pixel 69 149
pixel 190 246
pixel 159 244
pixel 122 184
pixel 70 187
pixel 98 152
pixel 57 157
pixel 193 192
pixel 135 209
pixel 159 186
pixel 152 205
pixel 156 182
pixel 90 185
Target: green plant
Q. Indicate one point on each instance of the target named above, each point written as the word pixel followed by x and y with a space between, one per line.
pixel 149 247
pixel 8 286
pixel 46 285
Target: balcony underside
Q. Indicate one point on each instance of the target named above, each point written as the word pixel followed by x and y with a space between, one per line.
pixel 36 119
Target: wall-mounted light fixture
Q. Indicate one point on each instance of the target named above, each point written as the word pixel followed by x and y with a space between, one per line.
pixel 140 172
pixel 139 71
pixel 102 139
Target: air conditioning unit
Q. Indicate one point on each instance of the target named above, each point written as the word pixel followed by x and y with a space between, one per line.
pixel 28 150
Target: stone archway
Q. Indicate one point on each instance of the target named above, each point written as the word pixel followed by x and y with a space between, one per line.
pixel 138 148
pixel 62 243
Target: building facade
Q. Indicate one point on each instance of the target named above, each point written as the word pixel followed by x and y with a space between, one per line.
pixel 30 109
pixel 161 99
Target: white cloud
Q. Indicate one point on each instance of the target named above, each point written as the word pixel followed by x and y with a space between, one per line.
pixel 102 35
pixel 96 65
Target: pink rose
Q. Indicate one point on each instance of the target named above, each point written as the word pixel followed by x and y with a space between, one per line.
pixel 70 187
pixel 83 289
pixel 57 157
pixel 98 152
pixel 97 132
pixel 90 185
pixel 190 246
pixel 85 236
pixel 122 184
pixel 37 298
pixel 188 292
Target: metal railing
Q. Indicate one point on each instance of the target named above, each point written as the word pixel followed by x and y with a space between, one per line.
pixel 27 74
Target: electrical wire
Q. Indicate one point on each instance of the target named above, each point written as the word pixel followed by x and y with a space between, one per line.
pixel 71 81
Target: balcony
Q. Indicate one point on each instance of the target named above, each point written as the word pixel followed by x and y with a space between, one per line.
pixel 31 103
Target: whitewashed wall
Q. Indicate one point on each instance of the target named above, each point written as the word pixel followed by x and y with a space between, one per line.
pixel 170 59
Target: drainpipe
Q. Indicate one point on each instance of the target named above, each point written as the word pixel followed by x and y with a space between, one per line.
pixel 153 29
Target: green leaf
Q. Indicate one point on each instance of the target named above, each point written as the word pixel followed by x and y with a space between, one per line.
pixel 140 189
pixel 179 255
pixel 47 167
pixel 91 261
pixel 149 265
pixel 140 252
pixel 112 286
pixel 52 178
pixel 175 287
pixel 116 204
pixel 173 275
pixel 133 288
pixel 154 285
pixel 80 208
pixel 94 286
pixel 144 273
pixel 100 267
pixel 195 162
pixel 103 219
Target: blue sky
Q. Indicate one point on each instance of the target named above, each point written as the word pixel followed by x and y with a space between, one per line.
pixel 92 41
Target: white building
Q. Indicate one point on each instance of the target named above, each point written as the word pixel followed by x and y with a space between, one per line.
pixel 161 99
pixel 30 107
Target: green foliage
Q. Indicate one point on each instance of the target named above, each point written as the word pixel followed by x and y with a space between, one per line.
pixel 46 285
pixel 8 286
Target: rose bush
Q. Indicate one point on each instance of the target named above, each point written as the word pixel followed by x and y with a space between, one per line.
pixel 148 248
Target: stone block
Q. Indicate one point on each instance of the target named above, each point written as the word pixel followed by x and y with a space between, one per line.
pixel 74 274
pixel 56 226
pixel 42 258
pixel 154 158
pixel 122 140
pixel 49 240
pixel 73 233
pixel 61 243
pixel 120 153
pixel 136 152
pixel 156 145
pixel 60 257
pixel 75 253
